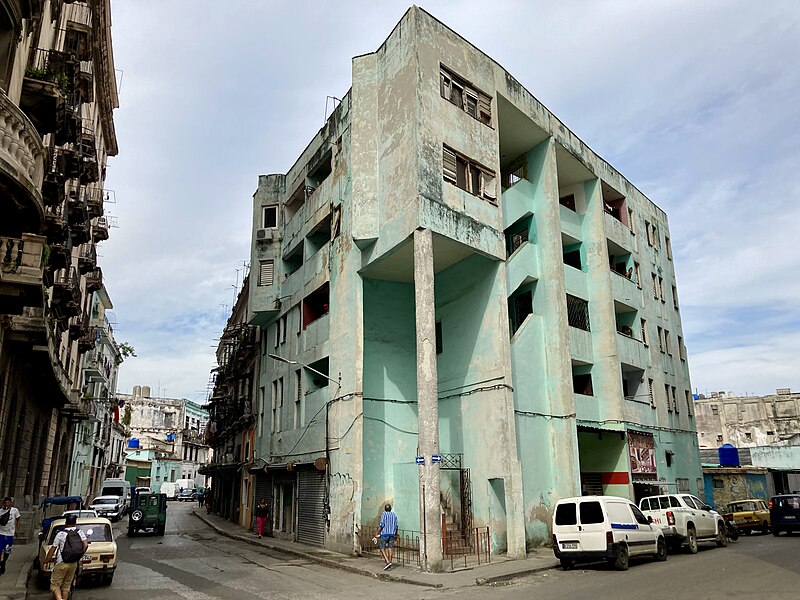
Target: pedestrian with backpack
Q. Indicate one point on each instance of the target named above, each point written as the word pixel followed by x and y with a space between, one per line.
pixel 68 548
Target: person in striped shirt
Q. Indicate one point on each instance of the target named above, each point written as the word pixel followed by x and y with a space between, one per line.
pixel 387 529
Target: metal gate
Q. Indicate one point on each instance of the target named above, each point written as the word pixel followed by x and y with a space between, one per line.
pixel 311 507
pixel 263 489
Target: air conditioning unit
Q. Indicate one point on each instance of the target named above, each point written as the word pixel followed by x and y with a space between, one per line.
pixel 265 235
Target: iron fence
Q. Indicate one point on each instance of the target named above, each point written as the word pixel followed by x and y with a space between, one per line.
pixel 406 545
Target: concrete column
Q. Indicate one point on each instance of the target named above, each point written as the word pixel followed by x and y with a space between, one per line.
pixel 428 402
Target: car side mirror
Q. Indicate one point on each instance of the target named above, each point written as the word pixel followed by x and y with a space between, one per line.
pixel 40 535
pixel 649 519
pixel 707 507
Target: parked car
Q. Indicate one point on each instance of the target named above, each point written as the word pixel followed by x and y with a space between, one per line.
pixel 100 560
pixel 750 515
pixel 110 507
pixel 593 528
pixel 189 494
pixel 149 512
pixel 143 490
pixel 685 520
pixel 784 513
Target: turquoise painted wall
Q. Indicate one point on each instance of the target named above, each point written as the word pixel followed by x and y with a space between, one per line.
pixel 390 410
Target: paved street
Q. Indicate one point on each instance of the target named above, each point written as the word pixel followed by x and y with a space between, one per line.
pixel 191 561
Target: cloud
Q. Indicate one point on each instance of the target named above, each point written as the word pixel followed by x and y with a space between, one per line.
pixel 695 103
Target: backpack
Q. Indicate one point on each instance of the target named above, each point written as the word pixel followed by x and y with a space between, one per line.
pixel 73 547
pixel 5 517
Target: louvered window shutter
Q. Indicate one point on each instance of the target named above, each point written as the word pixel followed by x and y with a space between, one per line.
pixel 449 165
pixel 485 108
pixel 266 272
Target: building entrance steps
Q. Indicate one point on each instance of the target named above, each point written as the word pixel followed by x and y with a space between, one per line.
pixel 500 569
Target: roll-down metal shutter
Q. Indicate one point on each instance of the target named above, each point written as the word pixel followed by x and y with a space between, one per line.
pixel 311 507
pixel 263 489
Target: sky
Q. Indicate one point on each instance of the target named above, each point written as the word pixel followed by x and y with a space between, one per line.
pixel 696 103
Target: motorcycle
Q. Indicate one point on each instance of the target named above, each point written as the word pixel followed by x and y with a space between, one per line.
pixel 731 531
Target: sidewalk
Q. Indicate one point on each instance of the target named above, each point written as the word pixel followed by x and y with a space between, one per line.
pixel 13 582
pixel 500 569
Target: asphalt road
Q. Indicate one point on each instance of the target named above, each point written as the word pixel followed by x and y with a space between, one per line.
pixel 193 562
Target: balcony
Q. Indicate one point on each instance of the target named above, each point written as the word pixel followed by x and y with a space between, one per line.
pixel 618 232
pixel 87 261
pixel 100 230
pixel 94 201
pixel 580 345
pixel 86 81
pixel 94 280
pixel 87 341
pixel 21 272
pixel 571 222
pixel 21 155
pixel 631 351
pixel 68 162
pixel 625 290
pixel 68 126
pixel 60 254
pixel 522 267
pixel 53 187
pixel 66 294
pixel 79 327
pixel 55 225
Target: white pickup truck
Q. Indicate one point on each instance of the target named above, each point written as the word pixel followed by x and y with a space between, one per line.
pixel 685 520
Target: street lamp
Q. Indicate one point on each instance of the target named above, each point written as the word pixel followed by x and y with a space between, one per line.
pixel 305 366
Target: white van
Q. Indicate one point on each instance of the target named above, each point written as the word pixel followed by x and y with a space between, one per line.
pixel 186 483
pixel 120 488
pixel 593 528
pixel 170 488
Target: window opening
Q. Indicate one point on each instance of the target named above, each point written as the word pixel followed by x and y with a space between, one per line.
pixel 316 304
pixel 468 175
pixel 521 305
pixel 568 201
pixel 514 173
pixel 439 348
pixel 467 97
pixel 582 384
pixel 270 217
pixel 572 257
pixel 266 272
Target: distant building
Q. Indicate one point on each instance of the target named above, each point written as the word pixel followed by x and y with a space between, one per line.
pixel 766 430
pixel 173 429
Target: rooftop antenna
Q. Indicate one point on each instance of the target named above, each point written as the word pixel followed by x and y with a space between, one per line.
pixel 334 100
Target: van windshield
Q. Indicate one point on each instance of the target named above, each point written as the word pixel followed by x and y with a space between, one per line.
pixel 113 491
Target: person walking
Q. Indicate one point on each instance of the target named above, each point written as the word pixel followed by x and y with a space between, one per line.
pixel 68 548
pixel 209 498
pixel 201 497
pixel 387 530
pixel 9 529
pixel 262 514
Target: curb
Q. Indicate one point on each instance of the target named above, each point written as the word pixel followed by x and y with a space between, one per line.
pixel 510 576
pixel 324 561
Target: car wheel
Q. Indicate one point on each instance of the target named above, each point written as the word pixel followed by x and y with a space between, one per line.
pixel 621 560
pixel 776 532
pixel 691 540
pixel 661 550
pixel 722 539
pixel 137 515
pixel 765 527
pixel 567 564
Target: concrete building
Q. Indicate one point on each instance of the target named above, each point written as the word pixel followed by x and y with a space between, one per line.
pixel 57 97
pixel 767 427
pixel 448 272
pixel 232 410
pixel 173 429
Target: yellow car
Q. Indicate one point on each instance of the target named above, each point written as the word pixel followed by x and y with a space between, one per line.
pixel 750 515
pixel 100 560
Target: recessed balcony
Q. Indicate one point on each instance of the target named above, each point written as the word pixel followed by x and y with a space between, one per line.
pixel 94 279
pixel 87 261
pixel 100 230
pixel 55 224
pixel 66 294
pixel 60 254
pixel 21 272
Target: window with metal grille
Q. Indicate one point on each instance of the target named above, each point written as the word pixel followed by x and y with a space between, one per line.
pixel 578 313
pixel 266 272
pixel 650 392
pixel 298 398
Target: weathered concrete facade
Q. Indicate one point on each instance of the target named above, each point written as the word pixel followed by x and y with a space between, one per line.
pixel 57 97
pixel 551 369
